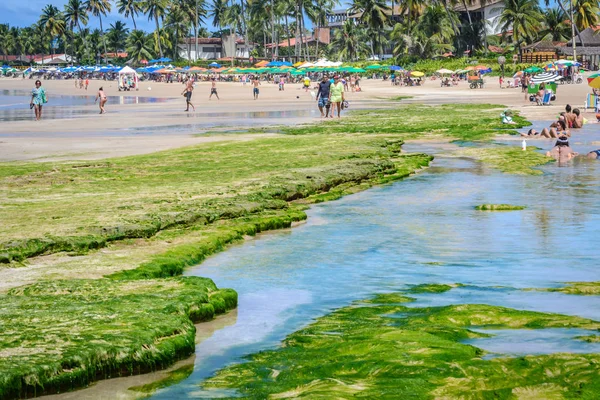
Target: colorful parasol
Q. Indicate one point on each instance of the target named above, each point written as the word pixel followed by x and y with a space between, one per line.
pixel 594 81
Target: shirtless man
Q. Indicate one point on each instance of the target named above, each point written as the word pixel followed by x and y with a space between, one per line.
pixel 213 90
pixel 187 93
pixel 578 121
pixel 255 85
pixel 569 116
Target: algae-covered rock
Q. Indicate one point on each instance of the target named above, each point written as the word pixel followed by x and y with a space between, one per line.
pixel 579 288
pixel 61 335
pixel 498 207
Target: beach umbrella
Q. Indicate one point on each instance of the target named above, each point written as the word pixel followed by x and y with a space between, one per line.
pixel 444 71
pixel 518 74
pixel 275 64
pixel 417 74
pixel 532 70
pixel 295 73
pixel 214 65
pixel 545 77
pixel 374 66
pixel 470 68
pixel 481 68
pixel 567 63
pixel 594 81
pixel 396 68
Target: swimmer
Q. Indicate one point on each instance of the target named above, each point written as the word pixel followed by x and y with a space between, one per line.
pixel 561 151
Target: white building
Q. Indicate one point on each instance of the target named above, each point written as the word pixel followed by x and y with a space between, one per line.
pixel 214 48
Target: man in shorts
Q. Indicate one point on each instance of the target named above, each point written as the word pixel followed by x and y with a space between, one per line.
pixel 213 90
pixel 255 85
pixel 323 96
pixel 187 93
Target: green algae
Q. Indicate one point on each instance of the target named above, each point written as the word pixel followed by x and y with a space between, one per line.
pixel 589 339
pixel 417 121
pixel 578 288
pixel 383 350
pixel 430 288
pixel 172 378
pixel 508 159
pixel 498 207
pixel 61 335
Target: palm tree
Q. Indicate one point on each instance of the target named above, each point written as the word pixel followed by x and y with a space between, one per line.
pixel 53 23
pixel 555 27
pixel 522 16
pixel 75 14
pixel 373 15
pixel 139 46
pixel 156 10
pixel 5 40
pixel 98 8
pixel 195 12
pixel 117 36
pixel 435 26
pixel 318 16
pixel 350 42
pixel 585 13
pixel 412 9
pixel 129 7
pixel 178 22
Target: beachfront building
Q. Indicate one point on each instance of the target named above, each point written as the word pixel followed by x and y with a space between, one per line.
pixel 214 48
pixel 587 52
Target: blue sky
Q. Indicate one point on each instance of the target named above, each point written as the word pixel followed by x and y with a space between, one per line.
pixel 26 12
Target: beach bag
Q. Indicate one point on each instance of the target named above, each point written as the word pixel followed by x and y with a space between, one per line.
pixel 44 98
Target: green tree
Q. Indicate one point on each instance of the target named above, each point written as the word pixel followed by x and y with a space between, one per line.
pixel 155 9
pixel 350 42
pixel 373 13
pixel 435 29
pixel 586 13
pixel 522 17
pixel 75 13
pixel 178 22
pixel 555 26
pixel 139 46
pixel 53 23
pixel 98 8
pixel 116 36
pixel 129 7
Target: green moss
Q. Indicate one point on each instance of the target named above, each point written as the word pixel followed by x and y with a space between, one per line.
pixel 389 298
pixel 430 288
pixel 579 288
pixel 508 159
pixel 61 335
pixel 498 207
pixel 388 351
pixel 172 378
pixel 589 339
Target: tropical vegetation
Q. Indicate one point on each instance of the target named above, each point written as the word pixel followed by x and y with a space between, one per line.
pixel 416 29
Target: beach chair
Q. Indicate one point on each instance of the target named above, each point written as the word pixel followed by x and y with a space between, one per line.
pixel 592 101
pixel 547 97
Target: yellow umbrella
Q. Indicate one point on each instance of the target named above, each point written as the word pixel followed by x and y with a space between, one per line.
pixel 418 74
pixel 299 63
pixel 594 81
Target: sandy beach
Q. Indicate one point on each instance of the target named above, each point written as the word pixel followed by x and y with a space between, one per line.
pixel 153 118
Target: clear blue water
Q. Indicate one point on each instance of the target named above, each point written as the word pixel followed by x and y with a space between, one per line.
pixel 420 230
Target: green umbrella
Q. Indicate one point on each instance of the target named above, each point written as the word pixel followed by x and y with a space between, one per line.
pixel 298 72
pixel 533 70
pixel 374 66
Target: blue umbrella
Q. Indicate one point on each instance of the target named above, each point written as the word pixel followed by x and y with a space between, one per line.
pixel 276 64
pixel 164 59
pixel 214 65
pixel 396 68
pixel 153 61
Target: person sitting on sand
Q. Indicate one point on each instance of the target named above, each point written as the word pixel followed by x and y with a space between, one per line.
pixel 594 154
pixel 561 151
pixel 539 96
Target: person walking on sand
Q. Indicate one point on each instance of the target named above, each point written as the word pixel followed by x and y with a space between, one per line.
pixel 336 96
pixel 102 97
pixel 255 85
pixel 38 99
pixel 87 82
pixel 323 96
pixel 213 90
pixel 187 93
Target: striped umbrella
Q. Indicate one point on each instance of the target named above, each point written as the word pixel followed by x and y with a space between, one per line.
pixel 594 81
pixel 545 77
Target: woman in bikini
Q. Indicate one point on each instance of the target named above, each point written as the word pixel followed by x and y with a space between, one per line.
pixel 102 97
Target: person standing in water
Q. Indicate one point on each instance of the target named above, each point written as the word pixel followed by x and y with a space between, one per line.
pixel 187 93
pixel 38 99
pixel 255 84
pixel 213 90
pixel 102 97
pixel 323 96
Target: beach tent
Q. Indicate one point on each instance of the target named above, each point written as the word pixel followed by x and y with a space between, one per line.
pixel 128 73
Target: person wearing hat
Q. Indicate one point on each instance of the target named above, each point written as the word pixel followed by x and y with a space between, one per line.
pixel 336 95
pixel 561 151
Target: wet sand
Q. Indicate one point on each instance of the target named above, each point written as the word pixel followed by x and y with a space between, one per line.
pixel 158 120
